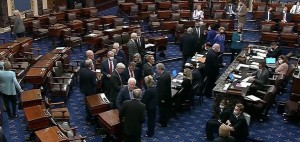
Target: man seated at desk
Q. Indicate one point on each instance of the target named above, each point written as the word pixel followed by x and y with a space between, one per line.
pixel 286 16
pixel 269 15
pixel 275 51
pixel 261 77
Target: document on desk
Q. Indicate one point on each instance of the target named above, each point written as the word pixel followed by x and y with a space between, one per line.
pixel 177 80
pixel 103 97
pixel 149 45
pixel 237 76
pixel 262 54
pixel 247 79
pixel 255 63
pixel 244 84
pixel 109 30
pixel 242 65
pixel 226 86
pixel 252 98
pixel 60 48
pixel 259 50
pixel 253 67
pixel 257 57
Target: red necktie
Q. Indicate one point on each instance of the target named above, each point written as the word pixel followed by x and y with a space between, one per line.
pixel 110 67
pixel 131 73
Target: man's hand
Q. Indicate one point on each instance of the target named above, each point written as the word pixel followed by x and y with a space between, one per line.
pixel 228 122
pixel 108 75
pixel 224 64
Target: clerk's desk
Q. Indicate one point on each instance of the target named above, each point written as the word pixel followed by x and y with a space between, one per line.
pixel 51 134
pixel 109 120
pixel 37 117
pixel 31 98
pixel 97 103
pixel 236 90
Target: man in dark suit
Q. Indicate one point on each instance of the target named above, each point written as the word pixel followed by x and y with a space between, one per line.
pixel 89 55
pixel 140 42
pixel 187 45
pixel 148 68
pixel 212 69
pixel 87 79
pixel 130 72
pixel 132 47
pixel 150 99
pixel 198 32
pixel 164 94
pixel 275 51
pixel 230 10
pixel 118 58
pixel 261 77
pixel 126 92
pixel 132 114
pixel 107 67
pixel 120 52
pixel 285 15
pixel 116 83
pixel 269 15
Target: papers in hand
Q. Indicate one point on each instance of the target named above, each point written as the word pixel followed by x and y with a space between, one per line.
pixel 103 97
pixel 98 70
pixel 252 98
pixel 60 48
pixel 149 45
pixel 244 84
pixel 226 86
pixel 257 57
pixel 92 35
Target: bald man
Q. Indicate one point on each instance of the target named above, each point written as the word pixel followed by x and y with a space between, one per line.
pixel 212 66
pixel 89 55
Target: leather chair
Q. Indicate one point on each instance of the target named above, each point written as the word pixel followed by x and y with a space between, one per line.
pixel 46 11
pixel 72 67
pixel 267 35
pixel 219 15
pixel 58 110
pixel 287 36
pixel 71 17
pixel 39 32
pixel 78 5
pixel 117 38
pixel 57 89
pixel 71 39
pixel 175 7
pixel 151 8
pixel 176 16
pixel 154 22
pixel 292 107
pixel 118 22
pixel 91 28
pixel 179 31
pixel 277 80
pixel 262 107
pixel 32 54
pixel 133 15
pixel 19 65
pixel 259 13
pixel 70 132
pixel 59 71
pixel 125 38
pixel 93 13
pixel 29 14
pixel 52 20
pixel 62 8
pixel 289 74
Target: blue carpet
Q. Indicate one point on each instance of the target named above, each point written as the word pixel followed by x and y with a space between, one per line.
pixel 187 127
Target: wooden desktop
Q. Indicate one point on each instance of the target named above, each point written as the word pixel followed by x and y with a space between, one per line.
pixel 51 134
pixel 96 105
pixel 109 120
pixel 31 98
pixel 37 117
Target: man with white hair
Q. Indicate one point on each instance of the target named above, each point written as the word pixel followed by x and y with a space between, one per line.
pixel 89 55
pixel 212 66
pixel 119 50
pixel 164 94
pixel 126 93
pixel 116 82
pixel 132 47
pixel 87 79
pixel 187 45
pixel 107 67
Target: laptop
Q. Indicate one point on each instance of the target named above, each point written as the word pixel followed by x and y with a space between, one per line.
pixel 231 77
pixel 271 62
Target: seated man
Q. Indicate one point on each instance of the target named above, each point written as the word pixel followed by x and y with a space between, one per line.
pixel 261 77
pixel 275 51
pixel 269 15
pixel 236 122
pixel 285 16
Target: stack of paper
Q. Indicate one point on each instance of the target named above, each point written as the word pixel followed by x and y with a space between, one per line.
pixel 60 48
pixel 262 54
pixel 242 65
pixel 257 57
pixel 226 86
pixel 253 66
pixel 247 79
pixel 259 50
pixel 245 84
pixel 255 63
pixel 149 45
pixel 252 98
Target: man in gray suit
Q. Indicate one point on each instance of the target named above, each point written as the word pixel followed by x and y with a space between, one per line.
pixel 132 47
pixel 261 77
pixel 18 28
pixel 242 12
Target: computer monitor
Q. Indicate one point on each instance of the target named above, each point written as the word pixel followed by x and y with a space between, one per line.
pixel 270 60
pixel 231 77
pixel 174 73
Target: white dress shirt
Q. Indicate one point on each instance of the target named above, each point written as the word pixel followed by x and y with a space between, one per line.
pixel 198 14
pixel 295 9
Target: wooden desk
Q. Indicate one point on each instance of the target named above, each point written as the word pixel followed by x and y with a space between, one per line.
pixel 44 19
pixel 13 47
pixel 125 7
pixel 36 76
pixel 187 23
pixel 51 134
pixel 143 6
pixel 109 120
pixel 28 24
pixel 4 52
pixel 158 41
pixel 269 36
pixel 92 39
pixel 296 82
pixel 184 5
pixel 168 25
pixel 96 105
pixel 76 25
pixel 130 28
pixel 85 12
pixel 281 25
pixel 164 14
pixel 48 64
pixel 76 11
pixel 31 98
pixel 56 30
pixel 204 4
pixel 295 17
pixel 93 20
pixel 63 50
pixel 256 4
pixel 36 117
pixel 144 15
pixel 50 56
pixel 164 5
pixel 60 16
pixel 24 40
pixel 111 32
pixel 107 19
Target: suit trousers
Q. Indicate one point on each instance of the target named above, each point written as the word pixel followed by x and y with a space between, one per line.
pixel 19 35
pixel 164 113
pixel 184 59
pixel 151 116
pixel 212 126
pixel 132 138
pixel 210 84
pixel 233 51
pixel 10 100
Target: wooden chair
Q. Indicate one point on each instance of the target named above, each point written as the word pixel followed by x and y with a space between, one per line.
pixel 58 110
pixel 70 132
pixel 39 32
pixel 154 22
pixel 32 54
pixel 71 39
pixel 292 107
pixel 57 89
pixel 133 15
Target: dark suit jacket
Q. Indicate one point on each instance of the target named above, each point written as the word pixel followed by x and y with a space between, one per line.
pixel 224 115
pixel 120 59
pixel 212 64
pixel 122 54
pixel 132 114
pixel 116 85
pixel 132 49
pixel 261 79
pixel 233 7
pixel 188 44
pixel 164 87
pixel 125 75
pixel 197 78
pixel 87 81
pixel 141 46
pixel 274 53
pixel 288 17
pixel 150 98
pixel 123 95
pixel 105 68
pixel 147 70
pixel 241 129
pixel 266 16
pixel 224 139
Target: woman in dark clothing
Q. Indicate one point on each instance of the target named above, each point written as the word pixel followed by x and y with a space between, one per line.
pixel 186 85
pixel 139 66
pixel 150 98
